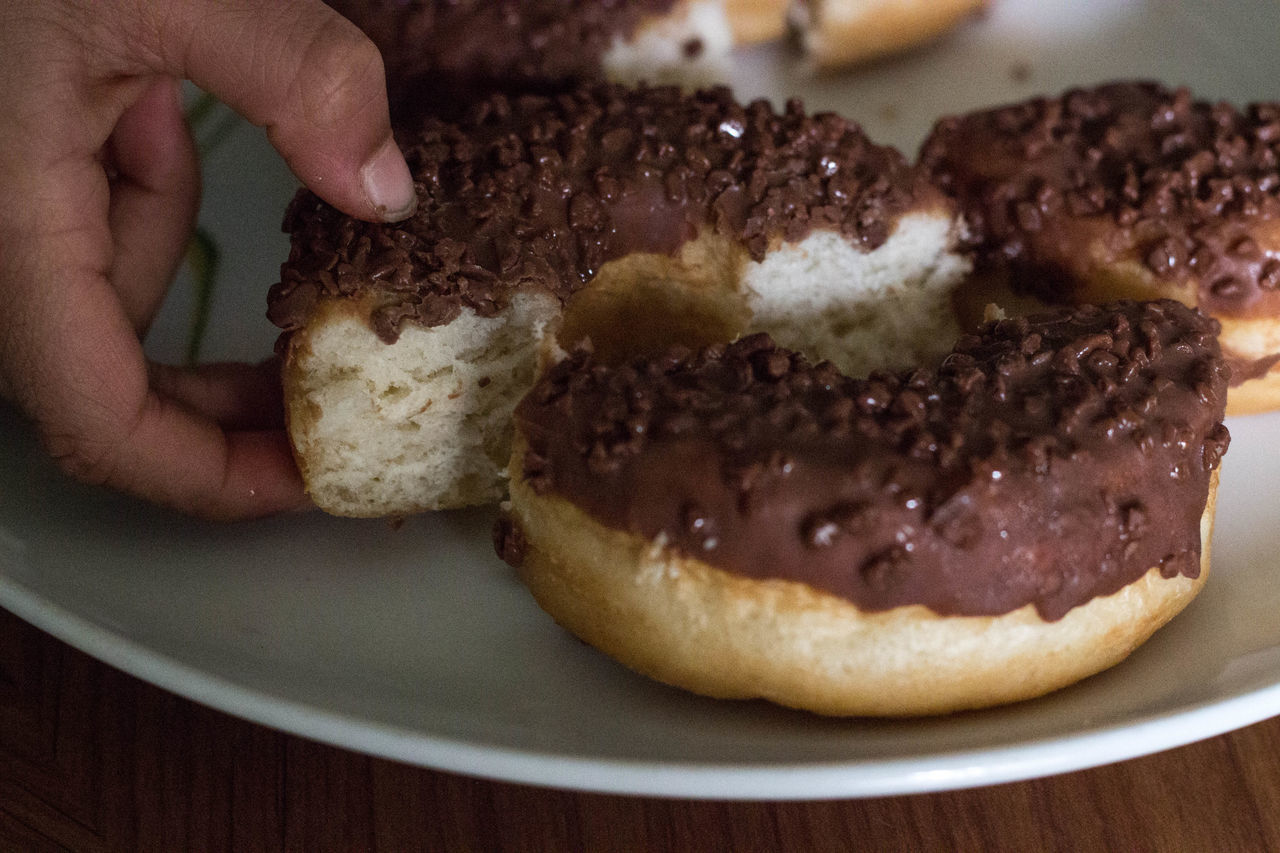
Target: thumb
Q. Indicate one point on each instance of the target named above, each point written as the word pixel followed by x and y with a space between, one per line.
pixel 302 71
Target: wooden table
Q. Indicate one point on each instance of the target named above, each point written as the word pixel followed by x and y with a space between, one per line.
pixel 93 759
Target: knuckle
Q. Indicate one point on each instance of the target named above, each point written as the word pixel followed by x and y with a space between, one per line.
pixel 341 70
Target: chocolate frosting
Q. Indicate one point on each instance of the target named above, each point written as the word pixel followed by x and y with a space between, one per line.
pixel 540 191
pixel 503 42
pixel 1179 185
pixel 1048 460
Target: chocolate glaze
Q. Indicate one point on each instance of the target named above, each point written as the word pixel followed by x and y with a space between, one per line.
pixel 540 191
pixel 1048 460
pixel 509 541
pixel 1179 185
pixel 502 43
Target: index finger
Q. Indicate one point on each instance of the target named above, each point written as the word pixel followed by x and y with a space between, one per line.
pixel 299 69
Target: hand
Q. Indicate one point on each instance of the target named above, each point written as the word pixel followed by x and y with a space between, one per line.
pixel 98 194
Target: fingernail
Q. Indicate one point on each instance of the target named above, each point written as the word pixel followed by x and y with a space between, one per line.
pixel 388 184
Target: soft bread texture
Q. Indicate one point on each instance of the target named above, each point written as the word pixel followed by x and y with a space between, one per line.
pixel 688 624
pixel 425 422
pixel 688 47
pixel 838 33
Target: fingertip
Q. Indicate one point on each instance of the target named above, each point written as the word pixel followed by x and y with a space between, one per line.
pixel 313 80
pixel 261 479
pixel 151 144
pixel 388 185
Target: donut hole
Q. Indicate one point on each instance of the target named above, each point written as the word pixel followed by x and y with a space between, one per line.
pixel 887 308
pixel 645 303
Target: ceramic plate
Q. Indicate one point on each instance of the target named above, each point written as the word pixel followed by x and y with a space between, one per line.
pixel 417 644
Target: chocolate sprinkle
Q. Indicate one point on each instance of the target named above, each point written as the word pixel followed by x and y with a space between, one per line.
pixel 1135 169
pixel 509 541
pixel 1048 461
pixel 540 192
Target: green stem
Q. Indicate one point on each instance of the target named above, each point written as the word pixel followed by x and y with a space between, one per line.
pixel 203 259
pixel 202 251
pixel 201 110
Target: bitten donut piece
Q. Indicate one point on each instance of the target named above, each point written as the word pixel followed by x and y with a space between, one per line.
pixel 470 45
pixel 838 33
pixel 743 523
pixel 1128 190
pixel 634 218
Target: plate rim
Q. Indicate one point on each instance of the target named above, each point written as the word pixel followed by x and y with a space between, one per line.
pixel 959 770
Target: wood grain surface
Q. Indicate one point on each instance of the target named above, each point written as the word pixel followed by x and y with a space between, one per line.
pixel 95 760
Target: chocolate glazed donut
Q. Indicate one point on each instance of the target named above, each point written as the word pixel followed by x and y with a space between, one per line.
pixel 442 55
pixel 634 218
pixel 742 523
pixel 1127 190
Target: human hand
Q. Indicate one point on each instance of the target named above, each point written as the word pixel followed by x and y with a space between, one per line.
pixel 99 188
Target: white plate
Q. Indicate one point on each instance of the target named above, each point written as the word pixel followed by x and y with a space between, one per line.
pixel 419 645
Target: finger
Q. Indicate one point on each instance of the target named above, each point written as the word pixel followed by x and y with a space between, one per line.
pixel 73 362
pixel 101 422
pixel 173 457
pixel 235 396
pixel 159 449
pixel 300 70
pixel 154 198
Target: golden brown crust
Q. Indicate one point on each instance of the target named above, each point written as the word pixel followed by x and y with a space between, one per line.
pixel 839 33
pixel 691 625
pixel 755 21
pixel 1256 395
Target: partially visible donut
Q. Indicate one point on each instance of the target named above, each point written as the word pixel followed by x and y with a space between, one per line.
pixel 838 33
pixel 1127 190
pixel 456 48
pixel 634 218
pixel 743 523
pixel 459 47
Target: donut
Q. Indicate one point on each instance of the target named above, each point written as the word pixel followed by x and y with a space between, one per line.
pixel 458 48
pixel 454 48
pixel 1127 190
pixel 743 523
pixel 632 218
pixel 835 34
